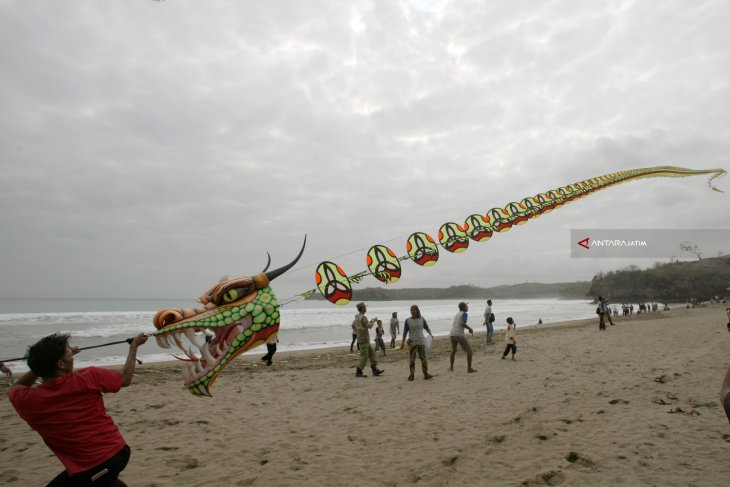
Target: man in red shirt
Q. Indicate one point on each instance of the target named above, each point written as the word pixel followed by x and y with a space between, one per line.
pixel 67 410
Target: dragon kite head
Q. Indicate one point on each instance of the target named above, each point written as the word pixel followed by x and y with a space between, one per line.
pixel 237 315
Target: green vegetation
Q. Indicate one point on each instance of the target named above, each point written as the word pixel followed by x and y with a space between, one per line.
pixel 675 281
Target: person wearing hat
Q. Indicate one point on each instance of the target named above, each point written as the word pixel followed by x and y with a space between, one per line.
pixel 362 327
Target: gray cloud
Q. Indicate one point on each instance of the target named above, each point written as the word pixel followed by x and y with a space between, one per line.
pixel 148 148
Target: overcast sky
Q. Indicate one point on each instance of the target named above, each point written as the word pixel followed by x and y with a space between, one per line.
pixel 148 148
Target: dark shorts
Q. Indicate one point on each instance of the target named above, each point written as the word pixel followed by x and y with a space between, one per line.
pixel 459 341
pixel 104 474
pixel 726 403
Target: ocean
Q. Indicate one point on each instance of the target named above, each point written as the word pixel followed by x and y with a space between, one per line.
pixel 304 325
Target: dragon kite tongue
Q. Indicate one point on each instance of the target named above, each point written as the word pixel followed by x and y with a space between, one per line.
pixel 237 315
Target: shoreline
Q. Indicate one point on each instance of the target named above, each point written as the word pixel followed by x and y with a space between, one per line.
pixel 440 340
pixel 578 407
pixel 498 337
pixel 479 335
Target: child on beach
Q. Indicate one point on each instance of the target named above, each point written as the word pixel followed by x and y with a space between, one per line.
pixel 379 332
pixel 510 337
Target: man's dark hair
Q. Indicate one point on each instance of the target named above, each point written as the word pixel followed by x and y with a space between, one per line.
pixel 43 355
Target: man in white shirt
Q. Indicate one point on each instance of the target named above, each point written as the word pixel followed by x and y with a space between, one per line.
pixel 457 338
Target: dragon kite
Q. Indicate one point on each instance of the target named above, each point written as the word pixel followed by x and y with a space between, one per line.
pixel 237 314
pixel 240 314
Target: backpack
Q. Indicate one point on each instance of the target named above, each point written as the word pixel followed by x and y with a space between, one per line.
pixel 491 317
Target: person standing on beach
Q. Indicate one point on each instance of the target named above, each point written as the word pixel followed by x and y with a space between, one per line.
pixel 379 332
pixel 394 328
pixel 354 335
pixel 725 389
pixel 67 410
pixel 363 340
pixel 488 320
pixel 601 311
pixel 608 311
pixel 5 370
pixel 417 342
pixel 457 338
pixel 725 393
pixel 510 336
pixel 270 351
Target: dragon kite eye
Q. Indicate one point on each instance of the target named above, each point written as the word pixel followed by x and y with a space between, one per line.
pixel 230 296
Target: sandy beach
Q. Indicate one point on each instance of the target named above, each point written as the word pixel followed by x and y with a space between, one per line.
pixel 578 407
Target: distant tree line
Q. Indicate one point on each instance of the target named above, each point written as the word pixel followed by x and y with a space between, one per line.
pixel 527 290
pixel 675 281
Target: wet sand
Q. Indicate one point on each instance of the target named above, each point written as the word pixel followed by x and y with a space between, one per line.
pixel 578 407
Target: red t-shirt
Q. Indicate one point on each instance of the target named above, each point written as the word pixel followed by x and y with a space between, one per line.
pixel 69 414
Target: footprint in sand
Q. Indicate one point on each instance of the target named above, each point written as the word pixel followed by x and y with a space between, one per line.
pixel 618 401
pixel 577 459
pixel 185 463
pixel 553 477
pixel 450 462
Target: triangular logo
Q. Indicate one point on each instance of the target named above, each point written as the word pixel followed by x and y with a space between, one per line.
pixel 584 243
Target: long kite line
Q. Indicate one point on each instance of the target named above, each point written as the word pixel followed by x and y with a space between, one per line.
pixel 383 263
pixel 128 340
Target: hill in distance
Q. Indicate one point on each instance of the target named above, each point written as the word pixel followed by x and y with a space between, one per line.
pixel 527 290
pixel 702 280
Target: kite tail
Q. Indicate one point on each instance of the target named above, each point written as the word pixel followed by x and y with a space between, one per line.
pixel 719 173
pixel 423 249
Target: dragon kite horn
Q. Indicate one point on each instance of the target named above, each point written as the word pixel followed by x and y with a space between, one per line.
pixel 262 279
pixel 268 262
pixel 271 275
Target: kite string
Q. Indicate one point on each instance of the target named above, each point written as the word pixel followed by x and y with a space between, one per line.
pixel 127 340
